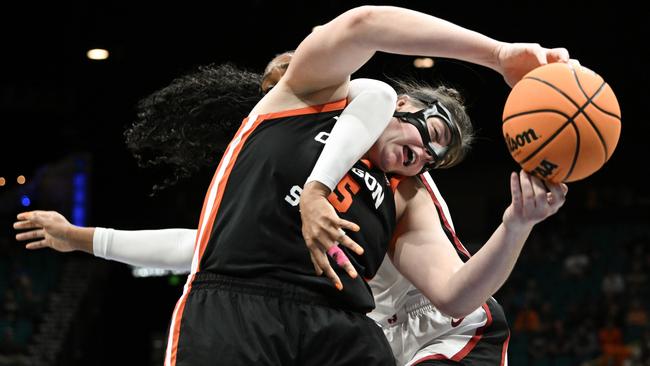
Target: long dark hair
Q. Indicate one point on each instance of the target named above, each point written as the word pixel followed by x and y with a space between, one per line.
pixel 187 125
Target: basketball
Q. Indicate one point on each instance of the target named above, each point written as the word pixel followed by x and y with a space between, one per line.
pixel 561 122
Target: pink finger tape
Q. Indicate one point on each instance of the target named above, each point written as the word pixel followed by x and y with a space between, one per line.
pixel 339 256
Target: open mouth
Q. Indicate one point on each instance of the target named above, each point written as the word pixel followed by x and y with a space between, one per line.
pixel 409 156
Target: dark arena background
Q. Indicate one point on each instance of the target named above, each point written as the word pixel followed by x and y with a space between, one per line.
pixel 578 294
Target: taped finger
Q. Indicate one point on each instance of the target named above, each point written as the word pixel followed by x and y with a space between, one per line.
pixel 338 255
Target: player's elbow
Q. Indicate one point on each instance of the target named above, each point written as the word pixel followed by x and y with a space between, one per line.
pixel 454 310
pixel 455 306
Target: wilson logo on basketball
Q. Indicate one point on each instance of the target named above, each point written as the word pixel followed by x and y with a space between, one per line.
pixel 544 169
pixel 521 139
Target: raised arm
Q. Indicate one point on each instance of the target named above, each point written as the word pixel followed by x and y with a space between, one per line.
pixel 328 56
pixel 423 254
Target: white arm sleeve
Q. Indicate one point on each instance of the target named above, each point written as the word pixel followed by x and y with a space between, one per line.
pixel 370 109
pixel 166 249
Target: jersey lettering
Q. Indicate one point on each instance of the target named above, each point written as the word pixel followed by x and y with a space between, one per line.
pixel 322 137
pixel 294 196
pixel 372 185
pixel 341 198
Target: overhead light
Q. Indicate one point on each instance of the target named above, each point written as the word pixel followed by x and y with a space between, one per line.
pixel 21 179
pixel 3 181
pixel 97 54
pixel 423 62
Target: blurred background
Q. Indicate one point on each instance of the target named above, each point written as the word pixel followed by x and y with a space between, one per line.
pixel 578 295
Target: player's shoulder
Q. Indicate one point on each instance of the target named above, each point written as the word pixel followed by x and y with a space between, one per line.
pixel 410 188
pixel 410 195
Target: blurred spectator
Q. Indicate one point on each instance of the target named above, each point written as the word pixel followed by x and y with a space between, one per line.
pixel 637 278
pixel 644 348
pixel 560 347
pixel 527 319
pixel 576 263
pixel 538 348
pixel 636 320
pixel 611 345
pixel 614 310
pixel 584 343
pixel 29 302
pixel 533 294
pixel 9 305
pixel 613 284
pixel 546 316
pixel 636 314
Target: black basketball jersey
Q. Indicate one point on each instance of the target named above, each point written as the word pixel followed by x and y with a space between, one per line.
pixel 250 226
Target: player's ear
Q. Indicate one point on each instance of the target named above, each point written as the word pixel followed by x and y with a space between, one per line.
pixel 402 100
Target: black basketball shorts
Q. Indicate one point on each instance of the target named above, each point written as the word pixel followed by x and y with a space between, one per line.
pixel 229 321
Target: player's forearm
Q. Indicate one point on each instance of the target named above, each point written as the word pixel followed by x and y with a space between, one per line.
pixel 486 271
pixel 404 31
pixel 165 249
pixel 370 108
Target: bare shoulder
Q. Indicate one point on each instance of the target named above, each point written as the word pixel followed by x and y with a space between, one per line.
pixel 411 196
pixel 282 98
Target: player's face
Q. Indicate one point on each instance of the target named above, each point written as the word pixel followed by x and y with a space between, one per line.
pixel 399 148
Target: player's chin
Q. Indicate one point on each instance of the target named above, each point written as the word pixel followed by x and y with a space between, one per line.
pixel 410 171
pixel 403 170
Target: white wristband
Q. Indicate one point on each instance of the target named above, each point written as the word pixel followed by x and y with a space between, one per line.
pixel 370 109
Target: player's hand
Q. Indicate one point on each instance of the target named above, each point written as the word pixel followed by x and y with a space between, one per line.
pixel 532 202
pixel 323 232
pixel 514 60
pixel 46 229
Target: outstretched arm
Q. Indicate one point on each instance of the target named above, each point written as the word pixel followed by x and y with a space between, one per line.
pixel 166 249
pixel 329 55
pixel 423 254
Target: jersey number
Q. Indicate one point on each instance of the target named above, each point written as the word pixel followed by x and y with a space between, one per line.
pixel 341 197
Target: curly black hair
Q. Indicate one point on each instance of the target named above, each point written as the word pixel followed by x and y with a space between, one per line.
pixel 187 125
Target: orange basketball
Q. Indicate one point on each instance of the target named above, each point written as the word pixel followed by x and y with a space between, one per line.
pixel 561 122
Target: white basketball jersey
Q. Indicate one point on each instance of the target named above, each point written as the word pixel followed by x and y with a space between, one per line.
pixel 415 329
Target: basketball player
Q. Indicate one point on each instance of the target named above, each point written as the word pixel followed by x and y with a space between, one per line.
pixel 527 209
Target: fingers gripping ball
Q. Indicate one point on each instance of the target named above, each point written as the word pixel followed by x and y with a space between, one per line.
pixel 561 122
